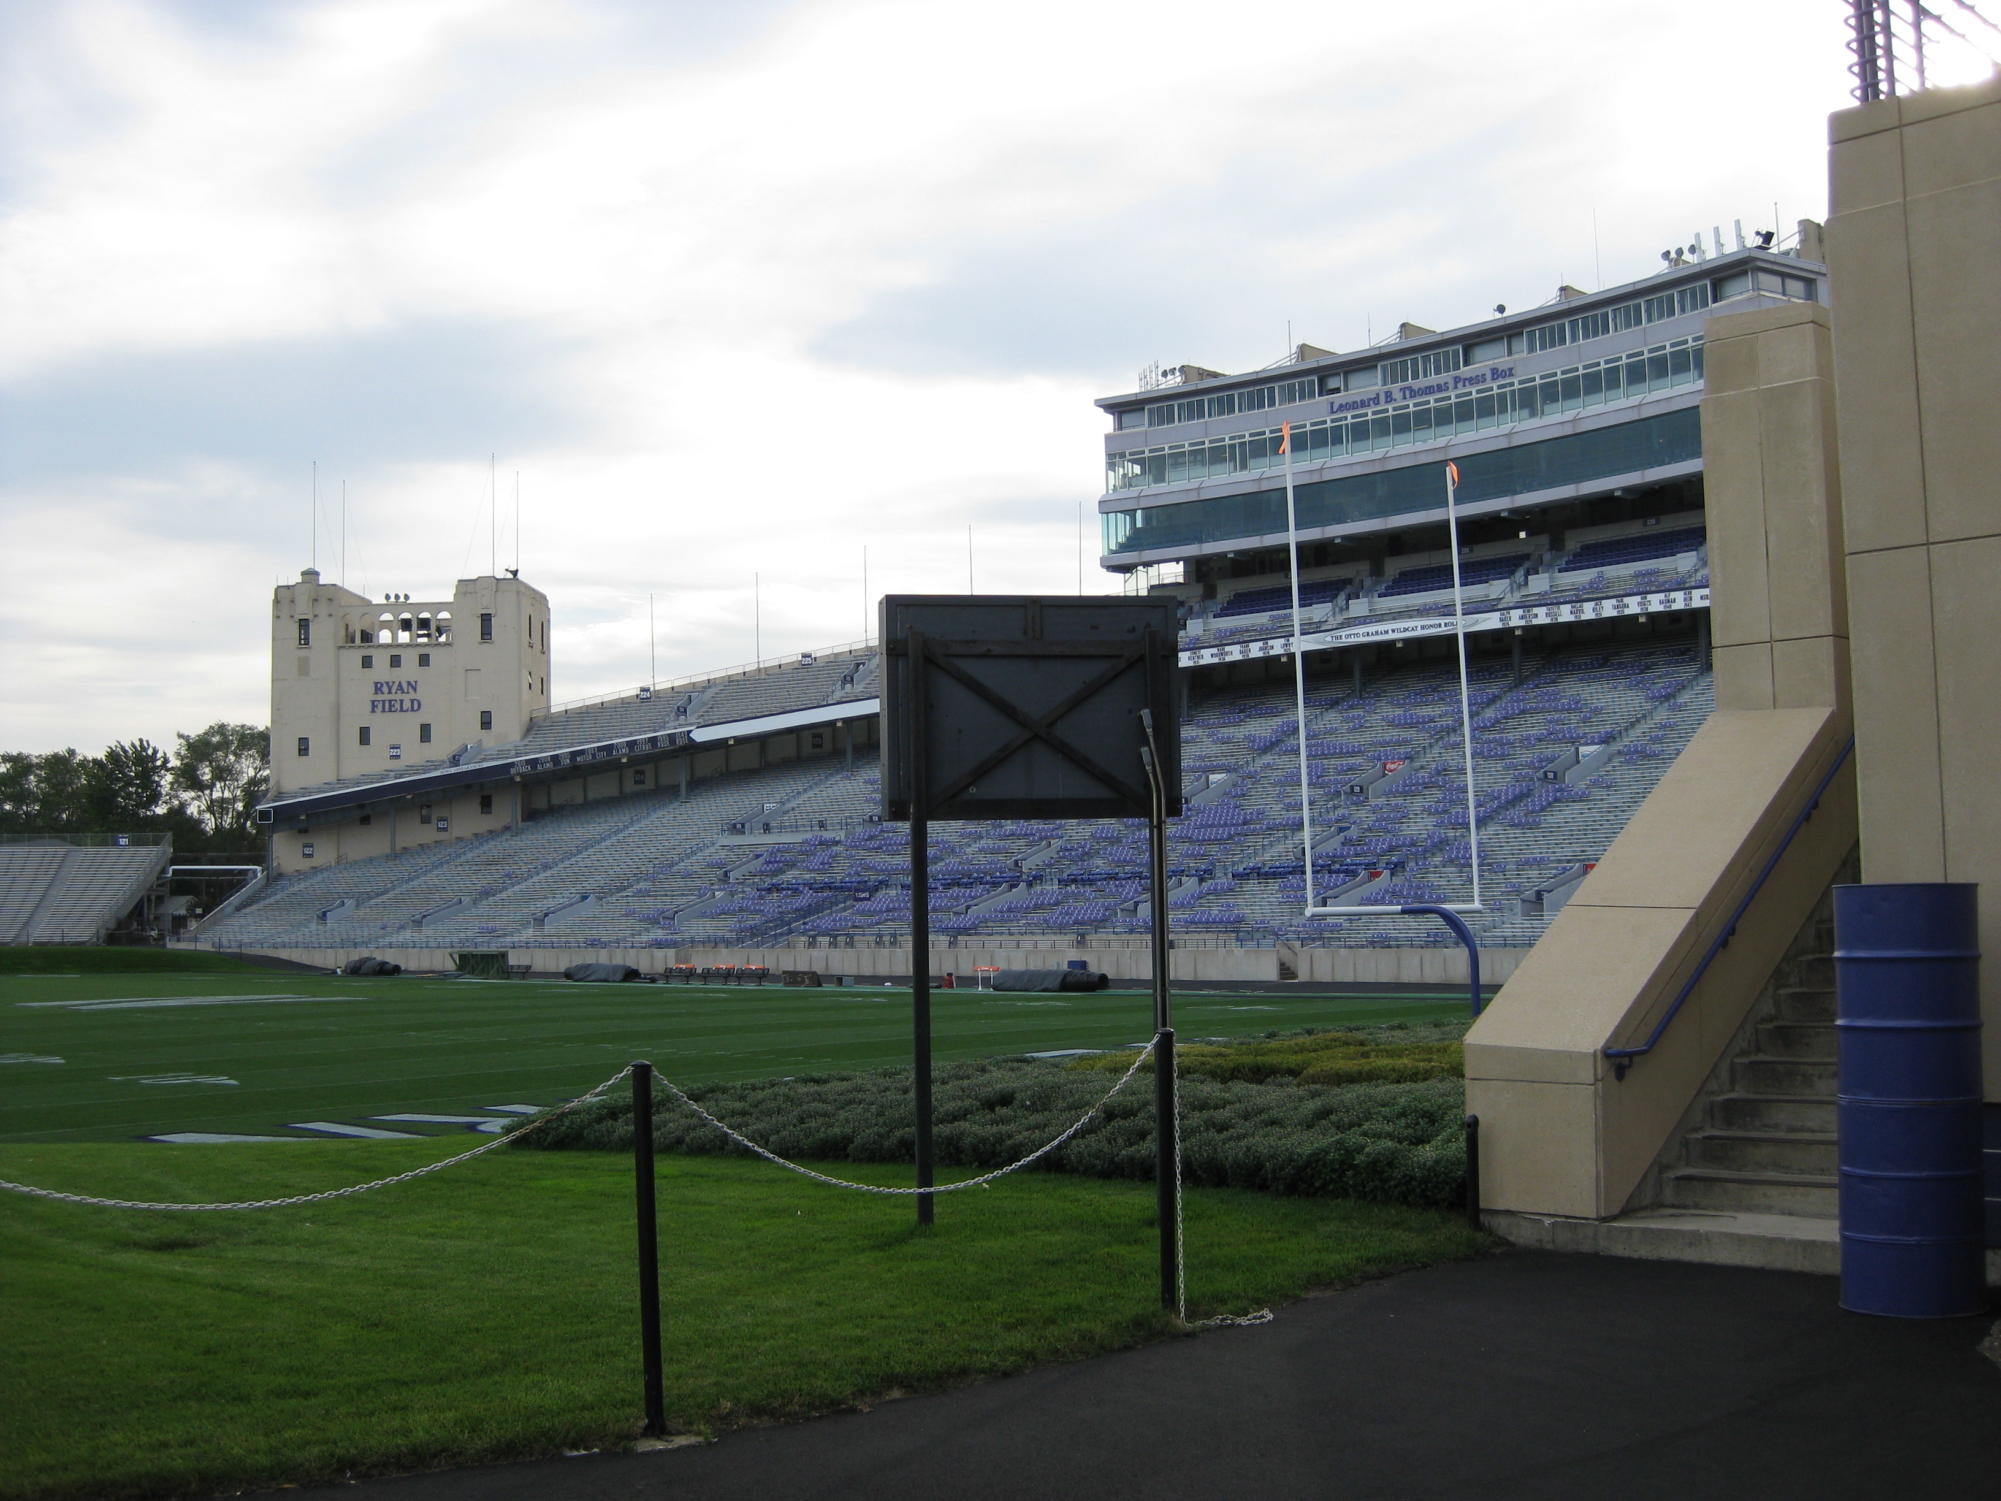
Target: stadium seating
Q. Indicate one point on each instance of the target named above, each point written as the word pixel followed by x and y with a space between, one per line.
pixel 795 854
pixel 54 892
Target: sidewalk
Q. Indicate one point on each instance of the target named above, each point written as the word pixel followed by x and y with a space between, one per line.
pixel 1526 1374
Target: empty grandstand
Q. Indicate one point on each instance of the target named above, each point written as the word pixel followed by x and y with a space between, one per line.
pixel 80 890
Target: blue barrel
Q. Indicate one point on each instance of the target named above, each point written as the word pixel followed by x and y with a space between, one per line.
pixel 1907 985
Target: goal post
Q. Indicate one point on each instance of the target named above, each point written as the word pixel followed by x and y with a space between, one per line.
pixel 1313 906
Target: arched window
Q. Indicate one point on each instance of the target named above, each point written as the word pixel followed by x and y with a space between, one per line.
pixel 424 625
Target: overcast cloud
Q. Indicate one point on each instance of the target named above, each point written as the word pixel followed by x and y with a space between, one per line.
pixel 739 290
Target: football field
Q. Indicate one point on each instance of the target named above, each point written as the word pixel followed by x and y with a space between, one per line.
pixel 296 1056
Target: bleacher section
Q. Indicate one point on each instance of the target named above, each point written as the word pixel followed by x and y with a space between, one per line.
pixel 794 854
pixel 60 893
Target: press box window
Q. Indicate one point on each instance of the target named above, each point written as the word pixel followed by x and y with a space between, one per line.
pixel 367 659
pixel 424 734
pixel 305 746
pixel 486 719
pixel 362 735
pixel 486 802
pixel 423 659
pixel 305 633
pixel 486 625
pixel 395 659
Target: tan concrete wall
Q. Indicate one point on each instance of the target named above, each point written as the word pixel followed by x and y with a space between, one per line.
pixel 1915 188
pixel 1560 1132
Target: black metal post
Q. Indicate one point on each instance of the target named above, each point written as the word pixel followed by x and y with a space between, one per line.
pixel 1473 1172
pixel 920 927
pixel 649 1247
pixel 1167 1178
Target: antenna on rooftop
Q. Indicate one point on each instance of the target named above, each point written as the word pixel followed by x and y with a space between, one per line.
pixel 316 515
pixel 492 518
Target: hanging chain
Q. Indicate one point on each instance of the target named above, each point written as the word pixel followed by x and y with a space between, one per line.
pixel 331 1193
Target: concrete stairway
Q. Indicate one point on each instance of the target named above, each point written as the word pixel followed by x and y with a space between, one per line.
pixel 1765 1145
pixel 1752 1180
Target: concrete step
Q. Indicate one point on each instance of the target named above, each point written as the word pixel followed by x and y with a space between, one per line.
pixel 1799 1153
pixel 1754 1193
pixel 1814 971
pixel 1748 1112
pixel 1806 1003
pixel 1779 1242
pixel 1808 1042
pixel 1757 1074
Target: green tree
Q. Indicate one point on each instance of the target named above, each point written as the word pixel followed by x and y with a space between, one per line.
pixel 62 792
pixel 220 774
pixel 18 800
pixel 126 787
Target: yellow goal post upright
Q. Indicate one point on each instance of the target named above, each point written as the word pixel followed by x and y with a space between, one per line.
pixel 1313 906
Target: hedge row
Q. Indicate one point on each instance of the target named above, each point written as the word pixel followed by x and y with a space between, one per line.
pixel 1388 1143
pixel 1389 1055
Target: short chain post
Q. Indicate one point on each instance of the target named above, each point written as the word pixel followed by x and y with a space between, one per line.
pixel 649 1247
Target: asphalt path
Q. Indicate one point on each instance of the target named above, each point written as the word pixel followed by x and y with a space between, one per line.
pixel 1523 1374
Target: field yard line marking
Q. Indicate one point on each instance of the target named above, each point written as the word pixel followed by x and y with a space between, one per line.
pixel 207 1137
pixel 28 1058
pixel 137 1003
pixel 171 1079
pixel 490 1124
pixel 371 1133
pixel 513 1109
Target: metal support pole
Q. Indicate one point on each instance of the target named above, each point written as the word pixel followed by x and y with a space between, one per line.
pixel 1166 1170
pixel 920 929
pixel 1473 1173
pixel 1457 924
pixel 649 1247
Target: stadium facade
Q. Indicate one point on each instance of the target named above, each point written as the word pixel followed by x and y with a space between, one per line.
pixel 363 689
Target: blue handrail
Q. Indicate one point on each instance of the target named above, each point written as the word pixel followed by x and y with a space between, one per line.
pixel 1622 1058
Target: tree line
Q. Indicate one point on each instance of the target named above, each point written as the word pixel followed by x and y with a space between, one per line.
pixel 205 794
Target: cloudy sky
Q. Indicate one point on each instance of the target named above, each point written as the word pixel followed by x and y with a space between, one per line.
pixel 734 291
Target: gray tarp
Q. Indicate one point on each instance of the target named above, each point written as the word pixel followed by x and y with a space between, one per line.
pixel 601 972
pixel 1050 979
pixel 371 967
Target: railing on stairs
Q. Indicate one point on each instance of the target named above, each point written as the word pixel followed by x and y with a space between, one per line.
pixel 1623 1058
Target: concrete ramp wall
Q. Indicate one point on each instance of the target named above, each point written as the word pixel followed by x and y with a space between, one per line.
pixel 1560 1134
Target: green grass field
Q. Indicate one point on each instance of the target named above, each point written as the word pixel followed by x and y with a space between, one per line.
pixel 489 1312
pixel 125 1055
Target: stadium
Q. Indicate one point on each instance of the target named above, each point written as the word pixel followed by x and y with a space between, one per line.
pixel 1721 531
pixel 735 819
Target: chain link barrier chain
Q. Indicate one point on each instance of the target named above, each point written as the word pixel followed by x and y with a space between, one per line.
pixel 331 1193
pixel 943 1188
pixel 1221 1320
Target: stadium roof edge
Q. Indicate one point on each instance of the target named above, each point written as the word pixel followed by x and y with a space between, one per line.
pixel 549 763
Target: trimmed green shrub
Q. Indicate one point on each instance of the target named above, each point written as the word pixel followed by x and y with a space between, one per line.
pixel 1395 1143
pixel 1384 1055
